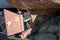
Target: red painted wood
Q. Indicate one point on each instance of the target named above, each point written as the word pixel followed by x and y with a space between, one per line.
pixel 14 22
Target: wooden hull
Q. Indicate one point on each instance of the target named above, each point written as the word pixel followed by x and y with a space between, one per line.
pixel 34 4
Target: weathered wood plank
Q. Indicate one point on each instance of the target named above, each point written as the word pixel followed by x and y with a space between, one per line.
pixel 35 4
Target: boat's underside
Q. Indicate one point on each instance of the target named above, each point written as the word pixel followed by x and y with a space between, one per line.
pixel 35 4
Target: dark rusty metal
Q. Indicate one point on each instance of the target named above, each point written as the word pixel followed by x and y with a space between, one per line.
pixel 35 4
